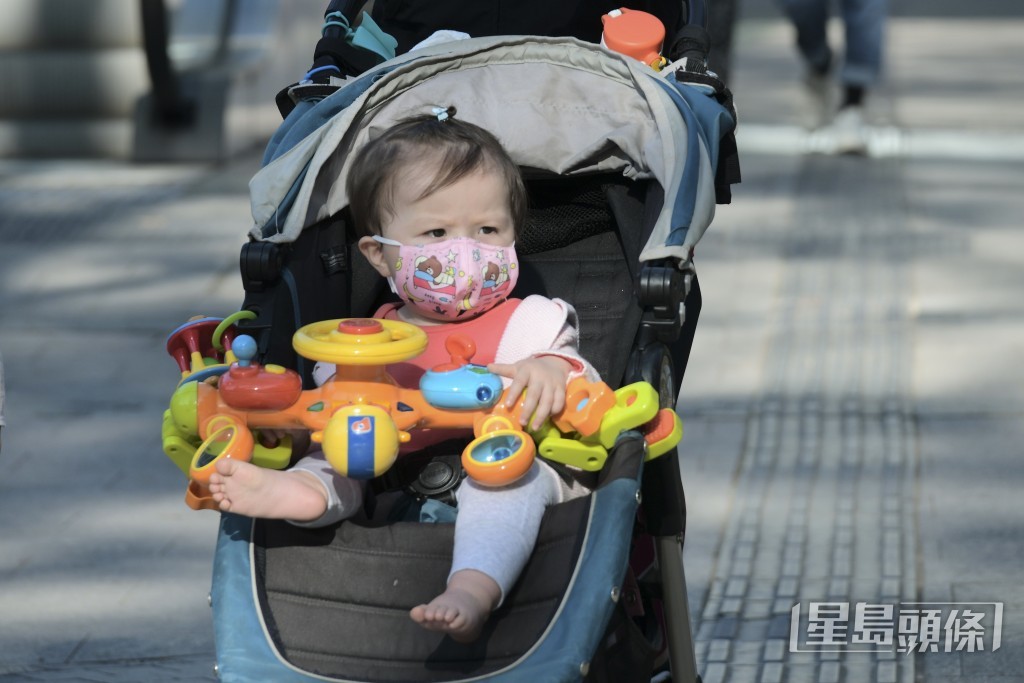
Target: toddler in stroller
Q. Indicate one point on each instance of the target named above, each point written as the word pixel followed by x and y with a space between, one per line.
pixel 620 165
pixel 440 191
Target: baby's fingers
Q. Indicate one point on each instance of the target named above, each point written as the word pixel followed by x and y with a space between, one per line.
pixel 530 402
pixel 540 400
pixel 502 369
pixel 519 381
pixel 544 406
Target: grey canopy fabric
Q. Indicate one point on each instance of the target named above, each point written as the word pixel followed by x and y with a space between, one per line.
pixel 557 104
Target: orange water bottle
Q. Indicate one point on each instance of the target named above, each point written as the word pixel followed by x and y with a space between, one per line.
pixel 636 34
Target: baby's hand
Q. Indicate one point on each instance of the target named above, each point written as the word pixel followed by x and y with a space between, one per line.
pixel 543 378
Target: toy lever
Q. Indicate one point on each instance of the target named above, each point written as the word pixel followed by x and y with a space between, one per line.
pixel 460 348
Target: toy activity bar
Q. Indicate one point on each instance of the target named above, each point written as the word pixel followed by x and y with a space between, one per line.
pixel 361 417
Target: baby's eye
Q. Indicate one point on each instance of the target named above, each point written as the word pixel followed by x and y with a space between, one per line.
pixel 488 230
pixel 436 233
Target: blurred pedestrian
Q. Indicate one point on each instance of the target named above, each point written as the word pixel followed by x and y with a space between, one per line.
pixel 722 16
pixel 864 28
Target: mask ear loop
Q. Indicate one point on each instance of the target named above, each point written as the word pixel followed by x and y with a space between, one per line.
pixel 390 243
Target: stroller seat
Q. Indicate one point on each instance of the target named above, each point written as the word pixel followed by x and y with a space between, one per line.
pixel 334 602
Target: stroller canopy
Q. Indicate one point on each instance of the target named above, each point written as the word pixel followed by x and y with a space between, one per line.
pixel 559 106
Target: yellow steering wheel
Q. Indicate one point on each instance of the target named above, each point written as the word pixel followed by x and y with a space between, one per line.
pixel 359 341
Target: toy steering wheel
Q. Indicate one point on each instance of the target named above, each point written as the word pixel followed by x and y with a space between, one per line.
pixel 359 341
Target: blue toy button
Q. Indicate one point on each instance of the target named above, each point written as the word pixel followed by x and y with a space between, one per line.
pixel 497 448
pixel 470 387
pixel 244 347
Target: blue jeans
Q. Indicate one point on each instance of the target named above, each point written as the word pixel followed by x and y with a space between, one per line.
pixel 864 24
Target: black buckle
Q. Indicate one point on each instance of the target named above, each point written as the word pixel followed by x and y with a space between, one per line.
pixel 435 472
pixel 438 478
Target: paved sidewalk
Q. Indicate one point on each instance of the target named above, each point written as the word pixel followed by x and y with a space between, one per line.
pixel 103 570
pixel 855 394
pixel 853 404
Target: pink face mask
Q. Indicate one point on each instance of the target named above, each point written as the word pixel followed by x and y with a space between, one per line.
pixel 455 278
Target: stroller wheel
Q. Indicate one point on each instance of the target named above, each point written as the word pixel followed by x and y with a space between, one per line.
pixel 653 364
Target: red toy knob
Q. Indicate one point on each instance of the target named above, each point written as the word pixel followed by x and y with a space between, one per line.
pixel 360 326
pixel 268 387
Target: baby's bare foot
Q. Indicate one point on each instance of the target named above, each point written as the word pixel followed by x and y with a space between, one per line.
pixel 246 489
pixel 463 608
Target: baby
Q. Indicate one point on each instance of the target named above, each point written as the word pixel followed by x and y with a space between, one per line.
pixel 438 188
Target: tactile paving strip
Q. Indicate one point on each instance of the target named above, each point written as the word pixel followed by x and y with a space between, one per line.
pixel 823 504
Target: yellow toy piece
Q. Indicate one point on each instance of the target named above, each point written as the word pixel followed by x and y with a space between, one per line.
pixel 575 453
pixel 361 441
pixel 324 342
pixel 635 404
pixel 662 435
pixel 176 445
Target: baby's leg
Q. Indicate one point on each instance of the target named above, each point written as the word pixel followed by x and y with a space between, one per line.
pixel 494 535
pixel 309 494
pixel 246 489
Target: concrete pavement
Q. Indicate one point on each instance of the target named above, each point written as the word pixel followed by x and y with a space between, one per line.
pixel 104 570
pixel 854 394
pixel 853 403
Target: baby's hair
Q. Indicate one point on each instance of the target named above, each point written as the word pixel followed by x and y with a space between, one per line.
pixel 459 148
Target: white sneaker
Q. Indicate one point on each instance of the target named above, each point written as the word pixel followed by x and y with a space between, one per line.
pixel 848 131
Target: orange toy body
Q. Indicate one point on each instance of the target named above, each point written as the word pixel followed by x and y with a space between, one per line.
pixel 360 416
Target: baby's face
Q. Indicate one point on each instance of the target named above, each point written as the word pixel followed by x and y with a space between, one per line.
pixel 475 206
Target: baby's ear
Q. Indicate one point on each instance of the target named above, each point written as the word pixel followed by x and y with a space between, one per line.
pixel 374 253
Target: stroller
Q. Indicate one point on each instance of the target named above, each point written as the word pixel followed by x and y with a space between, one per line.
pixel 623 169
